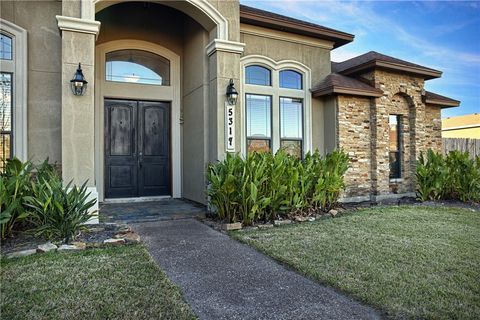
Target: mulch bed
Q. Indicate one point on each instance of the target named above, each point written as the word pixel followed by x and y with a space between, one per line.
pixel 95 235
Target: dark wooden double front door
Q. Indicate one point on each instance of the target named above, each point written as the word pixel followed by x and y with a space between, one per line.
pixel 137 148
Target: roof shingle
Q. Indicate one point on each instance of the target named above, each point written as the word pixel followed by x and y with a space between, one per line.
pixel 374 59
pixel 280 22
pixel 337 83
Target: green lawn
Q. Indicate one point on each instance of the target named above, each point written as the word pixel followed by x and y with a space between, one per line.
pixel 114 283
pixel 410 262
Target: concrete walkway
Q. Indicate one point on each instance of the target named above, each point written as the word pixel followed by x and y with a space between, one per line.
pixel 223 279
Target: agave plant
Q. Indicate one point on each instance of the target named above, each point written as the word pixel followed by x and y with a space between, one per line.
pixel 57 211
pixel 14 187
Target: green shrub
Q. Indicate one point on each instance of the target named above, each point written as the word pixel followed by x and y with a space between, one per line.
pixel 455 176
pixel 15 184
pixel 263 186
pixel 57 211
pixel 33 195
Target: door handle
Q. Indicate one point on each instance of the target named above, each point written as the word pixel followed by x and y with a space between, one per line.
pixel 140 159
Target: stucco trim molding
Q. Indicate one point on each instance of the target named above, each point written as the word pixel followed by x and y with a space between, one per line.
pixel 225 46
pixel 78 25
pixel 20 86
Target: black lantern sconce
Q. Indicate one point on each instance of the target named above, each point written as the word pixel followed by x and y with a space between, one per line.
pixel 232 94
pixel 78 84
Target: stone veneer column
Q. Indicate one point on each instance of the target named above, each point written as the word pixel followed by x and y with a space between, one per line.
pixel 78 46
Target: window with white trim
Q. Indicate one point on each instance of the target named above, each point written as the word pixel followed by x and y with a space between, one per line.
pixel 13 91
pixel 274 109
pixel 6 107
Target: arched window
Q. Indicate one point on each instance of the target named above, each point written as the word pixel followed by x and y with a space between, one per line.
pixel 137 66
pixel 290 79
pixel 258 75
pixel 276 106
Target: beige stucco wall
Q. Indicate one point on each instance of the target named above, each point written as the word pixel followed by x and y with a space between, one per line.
pixel 44 74
pixel 195 112
pixel 280 46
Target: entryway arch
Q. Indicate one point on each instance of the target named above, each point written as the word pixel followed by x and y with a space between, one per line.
pixel 111 90
pixel 201 11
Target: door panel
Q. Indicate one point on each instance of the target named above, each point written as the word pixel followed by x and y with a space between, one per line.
pixel 120 156
pixel 137 148
pixel 154 148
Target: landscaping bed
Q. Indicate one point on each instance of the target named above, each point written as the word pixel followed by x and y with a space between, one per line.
pixel 103 283
pixel 94 236
pixel 409 261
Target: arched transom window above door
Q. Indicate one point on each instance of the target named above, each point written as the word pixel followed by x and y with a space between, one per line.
pixel 137 66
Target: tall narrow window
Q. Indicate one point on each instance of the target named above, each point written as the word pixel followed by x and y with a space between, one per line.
pixel 394 146
pixel 6 140
pixel 259 123
pixel 291 126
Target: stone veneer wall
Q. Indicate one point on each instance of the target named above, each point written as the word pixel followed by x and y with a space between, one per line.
pixel 353 136
pixel 402 94
pixel 433 128
pixel 363 132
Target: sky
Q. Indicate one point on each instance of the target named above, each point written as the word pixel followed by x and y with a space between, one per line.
pixel 442 35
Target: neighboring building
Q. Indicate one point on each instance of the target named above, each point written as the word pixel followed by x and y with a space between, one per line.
pixel 467 126
pixel 155 111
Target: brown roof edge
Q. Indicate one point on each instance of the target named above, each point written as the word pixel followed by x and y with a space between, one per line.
pixel 439 100
pixel 426 72
pixel 275 21
pixel 345 90
pixel 372 60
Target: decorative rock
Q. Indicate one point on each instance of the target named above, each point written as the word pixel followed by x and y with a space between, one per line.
pixel 311 219
pixel 232 226
pixel 333 212
pixel 68 247
pixel 265 226
pixel 300 219
pixel 46 247
pixel 23 253
pixel 123 229
pixel 129 237
pixel 80 245
pixel 281 222
pixel 114 242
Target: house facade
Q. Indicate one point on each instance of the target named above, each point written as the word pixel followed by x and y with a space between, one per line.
pixel 155 111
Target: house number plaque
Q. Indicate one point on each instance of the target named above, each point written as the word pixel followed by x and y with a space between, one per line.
pixel 229 128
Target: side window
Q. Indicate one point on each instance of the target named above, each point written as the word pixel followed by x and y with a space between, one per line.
pixel 291 126
pixel 290 79
pixel 258 75
pixel 6 102
pixel 6 49
pixel 394 146
pixel 259 123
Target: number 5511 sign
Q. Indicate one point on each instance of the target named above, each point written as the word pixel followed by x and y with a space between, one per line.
pixel 229 128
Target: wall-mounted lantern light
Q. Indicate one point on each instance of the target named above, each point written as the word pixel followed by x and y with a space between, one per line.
pixel 78 83
pixel 232 94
